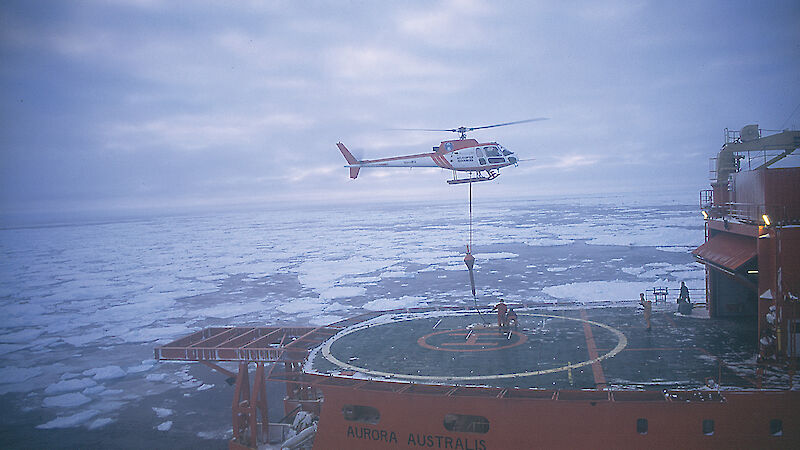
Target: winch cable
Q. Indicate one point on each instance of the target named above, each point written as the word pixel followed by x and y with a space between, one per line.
pixel 469 260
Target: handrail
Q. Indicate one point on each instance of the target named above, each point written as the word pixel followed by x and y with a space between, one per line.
pixel 752 213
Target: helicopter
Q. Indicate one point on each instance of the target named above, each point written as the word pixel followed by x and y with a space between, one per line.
pixel 458 155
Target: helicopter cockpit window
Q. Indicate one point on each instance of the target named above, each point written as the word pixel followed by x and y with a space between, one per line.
pixel 479 152
pixel 492 151
pixel 506 152
pixel 482 161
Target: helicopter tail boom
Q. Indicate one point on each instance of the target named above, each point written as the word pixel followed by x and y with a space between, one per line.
pixel 351 160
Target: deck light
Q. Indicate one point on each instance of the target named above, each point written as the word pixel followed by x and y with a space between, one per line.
pixel 752 271
pixel 705 215
pixel 766 219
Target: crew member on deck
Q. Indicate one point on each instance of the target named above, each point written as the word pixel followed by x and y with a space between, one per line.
pixel 648 309
pixel 684 304
pixel 684 295
pixel 511 316
pixel 502 309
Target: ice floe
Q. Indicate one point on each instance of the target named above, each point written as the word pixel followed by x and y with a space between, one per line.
pixel 599 291
pixel 69 400
pixel 105 372
pixel 341 292
pixel 406 301
pixel 69 421
pixel 74 384
pixel 99 423
pixel 162 412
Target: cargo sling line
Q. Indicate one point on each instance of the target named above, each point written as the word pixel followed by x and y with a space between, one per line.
pixel 469 260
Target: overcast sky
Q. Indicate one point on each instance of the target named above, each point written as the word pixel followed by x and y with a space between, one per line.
pixel 145 103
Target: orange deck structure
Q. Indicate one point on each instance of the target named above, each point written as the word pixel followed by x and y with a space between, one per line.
pixel 596 400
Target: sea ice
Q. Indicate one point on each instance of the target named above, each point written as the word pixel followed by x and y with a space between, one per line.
pixel 74 384
pixel 341 292
pixel 396 274
pixel 107 406
pixel 303 305
pixel 355 280
pixel 165 426
pixel 162 412
pixel 383 304
pixel 21 336
pixel 11 348
pixel 151 334
pixel 547 242
pixel 82 338
pixel 69 400
pixel 69 421
pixel 143 367
pixel 105 373
pixel 94 390
pixel 595 291
pixel 99 423
pixel 497 255
pixel 322 274
pixel 193 383
pixel 323 319
pixel 228 310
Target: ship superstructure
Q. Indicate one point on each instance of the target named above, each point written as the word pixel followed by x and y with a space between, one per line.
pixel 752 248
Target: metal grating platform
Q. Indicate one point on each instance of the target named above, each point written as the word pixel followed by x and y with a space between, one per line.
pixel 249 344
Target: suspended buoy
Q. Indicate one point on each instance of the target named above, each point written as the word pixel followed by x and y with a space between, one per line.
pixel 469 260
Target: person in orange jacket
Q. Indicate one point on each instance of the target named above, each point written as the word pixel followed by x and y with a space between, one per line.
pixel 502 309
pixel 648 309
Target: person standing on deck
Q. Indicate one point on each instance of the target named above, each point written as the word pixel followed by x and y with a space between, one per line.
pixel 501 313
pixel 648 309
pixel 684 295
pixel 511 316
pixel 684 304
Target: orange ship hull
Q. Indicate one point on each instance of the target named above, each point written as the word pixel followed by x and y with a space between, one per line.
pixel 559 419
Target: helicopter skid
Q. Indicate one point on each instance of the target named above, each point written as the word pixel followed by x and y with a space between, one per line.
pixel 471 180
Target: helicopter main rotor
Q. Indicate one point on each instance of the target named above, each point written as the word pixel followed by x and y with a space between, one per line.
pixel 462 131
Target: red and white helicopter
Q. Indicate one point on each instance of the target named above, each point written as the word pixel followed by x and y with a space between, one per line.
pixel 459 155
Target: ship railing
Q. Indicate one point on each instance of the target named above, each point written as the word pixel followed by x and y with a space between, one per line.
pixel 761 158
pixel 746 160
pixel 732 168
pixel 752 213
pixel 733 136
pixel 710 208
pixel 761 213
pixel 706 199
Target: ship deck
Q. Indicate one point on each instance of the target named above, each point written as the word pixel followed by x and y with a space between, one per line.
pixel 552 348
